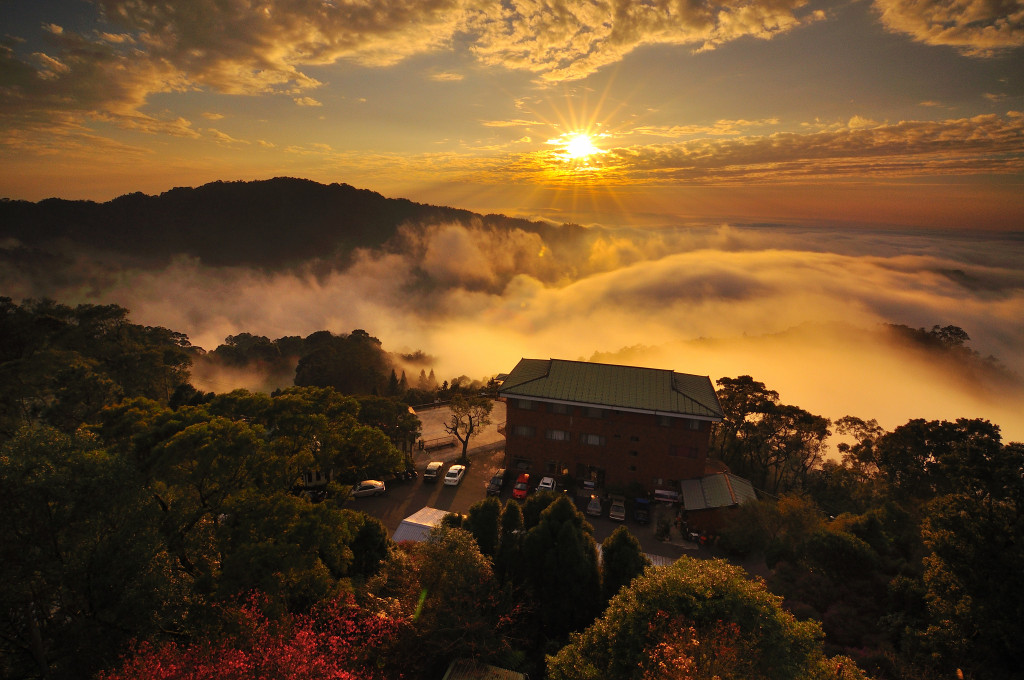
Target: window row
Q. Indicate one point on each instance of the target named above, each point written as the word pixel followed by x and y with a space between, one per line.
pixel 559 435
pixel 596 412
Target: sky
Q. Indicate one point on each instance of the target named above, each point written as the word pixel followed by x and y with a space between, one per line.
pixel 618 112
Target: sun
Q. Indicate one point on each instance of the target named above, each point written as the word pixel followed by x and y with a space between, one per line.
pixel 580 146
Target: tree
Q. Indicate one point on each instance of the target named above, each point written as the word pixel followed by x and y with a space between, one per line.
pixel 295 552
pixel 622 560
pixel 446 588
pixel 468 416
pixel 774 445
pixel 975 613
pixel 483 522
pixel 352 364
pixel 928 458
pixel 393 418
pixel 697 618
pixel 508 562
pixel 370 545
pixel 82 563
pixel 560 562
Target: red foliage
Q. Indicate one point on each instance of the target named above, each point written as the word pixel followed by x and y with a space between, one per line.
pixel 338 641
pixel 683 651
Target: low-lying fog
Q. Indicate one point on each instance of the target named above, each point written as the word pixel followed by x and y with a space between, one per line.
pixel 801 309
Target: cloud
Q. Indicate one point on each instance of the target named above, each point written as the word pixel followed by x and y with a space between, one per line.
pixel 977 28
pixel 565 40
pixel 978 145
pixel 718 128
pixel 446 77
pixel 223 137
pixel 307 101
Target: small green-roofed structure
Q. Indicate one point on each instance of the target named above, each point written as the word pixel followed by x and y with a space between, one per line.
pixel 720 490
pixel 627 388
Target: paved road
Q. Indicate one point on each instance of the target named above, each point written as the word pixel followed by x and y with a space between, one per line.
pixel 486 456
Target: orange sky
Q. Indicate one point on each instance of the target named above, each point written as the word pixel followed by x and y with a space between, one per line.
pixel 881 112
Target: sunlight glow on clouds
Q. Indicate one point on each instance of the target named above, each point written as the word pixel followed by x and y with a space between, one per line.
pixel 799 308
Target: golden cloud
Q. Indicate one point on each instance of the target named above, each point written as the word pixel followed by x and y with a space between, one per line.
pixel 976 28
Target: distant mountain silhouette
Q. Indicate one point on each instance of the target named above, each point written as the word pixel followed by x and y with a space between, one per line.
pixel 271 223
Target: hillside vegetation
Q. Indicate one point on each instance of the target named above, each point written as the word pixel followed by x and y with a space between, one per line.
pixel 152 530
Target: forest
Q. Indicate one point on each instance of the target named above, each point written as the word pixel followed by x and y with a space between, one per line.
pixel 153 530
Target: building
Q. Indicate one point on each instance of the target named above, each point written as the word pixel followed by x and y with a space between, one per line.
pixel 615 426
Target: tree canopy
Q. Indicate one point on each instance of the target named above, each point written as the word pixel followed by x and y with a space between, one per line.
pixel 696 619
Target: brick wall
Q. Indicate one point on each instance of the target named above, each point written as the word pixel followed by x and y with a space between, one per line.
pixel 626 446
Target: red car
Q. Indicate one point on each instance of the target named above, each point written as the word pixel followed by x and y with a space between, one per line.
pixel 522 486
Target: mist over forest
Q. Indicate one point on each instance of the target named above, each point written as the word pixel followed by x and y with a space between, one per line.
pixel 832 319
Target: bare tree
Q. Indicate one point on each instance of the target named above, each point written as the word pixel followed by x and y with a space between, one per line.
pixel 469 416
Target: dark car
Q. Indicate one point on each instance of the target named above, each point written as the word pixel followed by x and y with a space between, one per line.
pixel 642 510
pixel 497 483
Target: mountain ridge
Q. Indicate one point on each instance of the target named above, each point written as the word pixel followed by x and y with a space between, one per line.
pixel 272 223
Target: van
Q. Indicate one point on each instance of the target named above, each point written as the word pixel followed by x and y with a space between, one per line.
pixel 433 471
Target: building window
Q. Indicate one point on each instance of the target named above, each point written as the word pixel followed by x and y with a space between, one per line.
pixel 632 468
pixel 634 453
pixel 634 438
pixel 552 467
pixel 563 409
pixel 524 404
pixel 665 421
pixel 694 424
pixel 593 412
pixel 592 439
pixel 675 450
pixel 524 430
pixel 557 435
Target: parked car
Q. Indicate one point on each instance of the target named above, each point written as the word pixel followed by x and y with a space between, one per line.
pixel 642 510
pixel 522 486
pixel 369 487
pixel 618 509
pixel 546 484
pixel 454 475
pixel 433 471
pixel 497 483
pixel 594 508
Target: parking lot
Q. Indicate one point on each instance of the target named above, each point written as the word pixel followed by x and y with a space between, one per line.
pixel 486 456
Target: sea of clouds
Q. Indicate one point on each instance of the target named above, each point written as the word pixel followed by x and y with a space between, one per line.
pixel 802 309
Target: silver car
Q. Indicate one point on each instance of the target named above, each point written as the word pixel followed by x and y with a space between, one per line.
pixel 369 487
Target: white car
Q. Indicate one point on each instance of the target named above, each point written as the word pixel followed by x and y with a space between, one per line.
pixel 594 506
pixel 454 475
pixel 546 484
pixel 370 487
pixel 618 509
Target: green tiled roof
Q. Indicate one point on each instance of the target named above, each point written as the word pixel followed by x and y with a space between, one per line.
pixel 611 386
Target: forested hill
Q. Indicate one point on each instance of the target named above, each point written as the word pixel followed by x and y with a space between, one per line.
pixel 270 223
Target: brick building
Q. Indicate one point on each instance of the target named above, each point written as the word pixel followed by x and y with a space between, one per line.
pixel 613 425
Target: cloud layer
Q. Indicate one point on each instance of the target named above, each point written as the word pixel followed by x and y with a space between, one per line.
pixel 799 308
